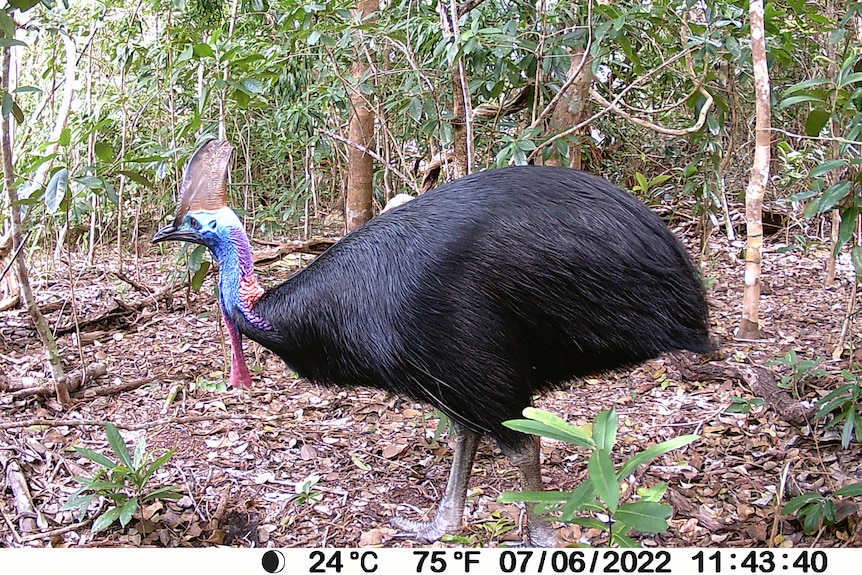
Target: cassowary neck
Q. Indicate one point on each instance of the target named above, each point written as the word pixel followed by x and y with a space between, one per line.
pixel 238 291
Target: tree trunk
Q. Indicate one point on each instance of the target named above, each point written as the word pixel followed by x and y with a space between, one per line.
pixel 749 327
pixel 360 174
pixel 571 108
pixel 462 109
pixel 15 227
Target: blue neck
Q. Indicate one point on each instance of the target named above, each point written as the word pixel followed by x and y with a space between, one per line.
pixel 236 275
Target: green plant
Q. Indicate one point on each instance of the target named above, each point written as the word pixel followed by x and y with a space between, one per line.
pixel 498 525
pixel 803 244
pixel 600 494
pixel 442 423
pixel 644 186
pixel 743 404
pixel 210 386
pixel 305 492
pixel 800 370
pixel 844 402
pixel 122 482
pixel 816 510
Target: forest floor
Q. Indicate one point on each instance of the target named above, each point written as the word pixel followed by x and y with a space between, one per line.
pixel 364 456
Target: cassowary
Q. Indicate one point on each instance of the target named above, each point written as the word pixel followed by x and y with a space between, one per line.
pixel 472 298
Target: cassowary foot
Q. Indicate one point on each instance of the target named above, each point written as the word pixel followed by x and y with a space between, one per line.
pixel 540 533
pixel 425 531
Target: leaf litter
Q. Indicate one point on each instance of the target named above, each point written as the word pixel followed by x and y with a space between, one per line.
pixel 313 467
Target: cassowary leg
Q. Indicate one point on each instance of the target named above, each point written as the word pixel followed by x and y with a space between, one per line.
pixel 525 456
pixel 450 513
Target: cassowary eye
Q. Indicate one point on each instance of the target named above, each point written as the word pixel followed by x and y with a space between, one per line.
pixel 194 223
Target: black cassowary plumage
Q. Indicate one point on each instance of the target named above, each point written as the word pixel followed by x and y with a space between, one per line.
pixel 479 294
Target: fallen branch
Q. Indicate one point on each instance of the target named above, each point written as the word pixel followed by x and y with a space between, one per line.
pixel 762 382
pixel 40 421
pixel 114 388
pixel 315 246
pixel 53 532
pixel 17 483
pixel 74 382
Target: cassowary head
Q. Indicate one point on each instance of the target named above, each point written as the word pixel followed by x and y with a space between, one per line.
pixel 203 218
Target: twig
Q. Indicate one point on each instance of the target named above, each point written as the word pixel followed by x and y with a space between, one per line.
pixel 15 254
pixel 838 350
pixel 53 532
pixel 408 181
pixel 41 421
pixel 138 286
pixel 11 526
pixel 615 101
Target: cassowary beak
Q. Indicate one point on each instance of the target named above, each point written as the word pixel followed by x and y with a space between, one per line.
pixel 172 233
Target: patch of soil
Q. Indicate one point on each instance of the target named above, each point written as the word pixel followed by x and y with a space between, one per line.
pixel 300 465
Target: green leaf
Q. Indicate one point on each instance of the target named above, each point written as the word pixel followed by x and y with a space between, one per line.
pixel 833 195
pixel 581 499
pixel 799 502
pixel 55 193
pixel 104 151
pixel 787 102
pixel 103 487
pixel 118 445
pixel 549 425
pixel 241 98
pixel 202 50
pixel 186 55
pixel 652 452
pixel 825 167
pixel 589 523
pixel 645 516
pixel 138 178
pixel 105 520
pixel 97 457
pixel 847 430
pixel 78 502
pixel 170 492
pixel 856 256
pixel 112 193
pixel 253 85
pixel 845 230
pixel 548 497
pixel 140 453
pixel 816 121
pixel 200 275
pixel 127 510
pixel 9 42
pixel 23 5
pixel 7 25
pixel 17 112
pixel 813 519
pixel 6 103
pixel 605 430
pixel 600 468
pixel 65 137
pixel 154 466
pixel 853 78
pixel 851 490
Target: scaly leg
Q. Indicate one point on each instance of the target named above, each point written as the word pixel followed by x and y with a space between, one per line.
pixel 450 513
pixel 525 456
